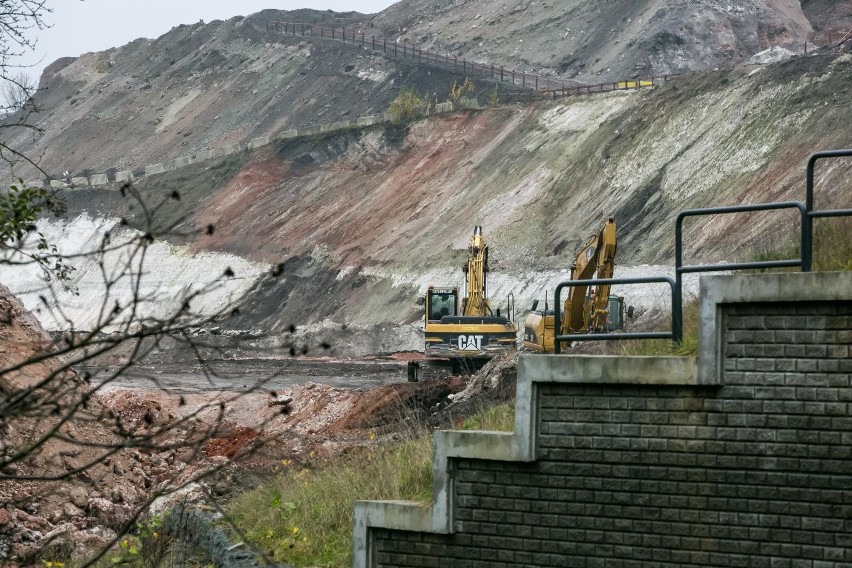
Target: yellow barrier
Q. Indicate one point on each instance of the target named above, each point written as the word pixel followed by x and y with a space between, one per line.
pixel 634 84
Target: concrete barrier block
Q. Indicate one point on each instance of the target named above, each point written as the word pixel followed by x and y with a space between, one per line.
pixel 258 142
pixel 340 125
pixel 34 183
pixel 202 155
pixel 366 120
pixel 231 149
pixel 154 169
pixel 80 181
pixel 215 153
pixel 99 179
pixel 289 134
pixel 58 184
pixel 126 175
pixel 182 161
pixel 310 130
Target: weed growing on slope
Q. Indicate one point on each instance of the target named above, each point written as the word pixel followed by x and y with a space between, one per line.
pixel 305 516
pixel 662 347
pixel 407 107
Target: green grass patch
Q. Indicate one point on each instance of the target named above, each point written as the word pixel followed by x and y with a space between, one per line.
pixel 665 347
pixel 305 516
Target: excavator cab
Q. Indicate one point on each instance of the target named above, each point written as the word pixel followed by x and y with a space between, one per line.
pixel 615 317
pixel 441 302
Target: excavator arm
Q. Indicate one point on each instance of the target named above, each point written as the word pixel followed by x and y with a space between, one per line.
pixel 597 255
pixel 476 301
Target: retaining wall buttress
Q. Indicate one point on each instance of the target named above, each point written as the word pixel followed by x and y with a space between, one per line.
pixel 739 457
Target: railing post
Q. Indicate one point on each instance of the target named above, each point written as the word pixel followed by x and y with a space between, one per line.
pixel 677 297
pixel 536 83
pixel 464 65
pixel 374 43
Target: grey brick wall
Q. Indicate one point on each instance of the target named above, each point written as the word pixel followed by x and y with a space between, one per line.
pixel 756 472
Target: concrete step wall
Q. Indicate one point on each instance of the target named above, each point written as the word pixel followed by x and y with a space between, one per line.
pixel 739 457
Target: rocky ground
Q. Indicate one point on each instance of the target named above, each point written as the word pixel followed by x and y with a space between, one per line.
pixel 76 481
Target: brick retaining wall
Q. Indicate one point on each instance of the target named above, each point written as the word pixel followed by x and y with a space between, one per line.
pixel 755 471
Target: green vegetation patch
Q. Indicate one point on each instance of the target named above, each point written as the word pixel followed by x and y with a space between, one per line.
pixel 305 517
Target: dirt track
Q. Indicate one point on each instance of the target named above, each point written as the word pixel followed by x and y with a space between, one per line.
pixel 259 374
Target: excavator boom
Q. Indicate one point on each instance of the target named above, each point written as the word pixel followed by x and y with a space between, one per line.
pixel 584 312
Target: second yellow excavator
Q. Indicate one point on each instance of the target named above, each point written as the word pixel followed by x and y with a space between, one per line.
pixel 584 311
pixel 470 330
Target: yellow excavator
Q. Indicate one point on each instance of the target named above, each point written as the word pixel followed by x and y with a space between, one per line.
pixel 468 329
pixel 584 311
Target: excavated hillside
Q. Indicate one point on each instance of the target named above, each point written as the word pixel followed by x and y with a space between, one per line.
pixel 208 85
pixel 365 219
pixel 613 40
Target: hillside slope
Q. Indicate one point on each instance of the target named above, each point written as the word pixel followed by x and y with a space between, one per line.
pixel 204 86
pixel 365 219
pixel 605 41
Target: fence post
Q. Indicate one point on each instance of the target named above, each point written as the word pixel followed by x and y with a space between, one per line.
pixel 513 76
pixel 501 73
pixel 374 43
pixel 464 65
pixel 455 62
pixel 536 83
pixel 362 39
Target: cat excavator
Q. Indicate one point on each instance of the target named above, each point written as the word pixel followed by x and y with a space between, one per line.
pixel 468 329
pixel 584 311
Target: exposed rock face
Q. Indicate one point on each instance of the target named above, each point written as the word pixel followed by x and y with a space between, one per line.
pixel 205 86
pixel 602 41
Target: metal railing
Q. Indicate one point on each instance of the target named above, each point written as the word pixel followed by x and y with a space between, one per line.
pixel 539 87
pixel 805 261
pixel 557 312
pixel 392 48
